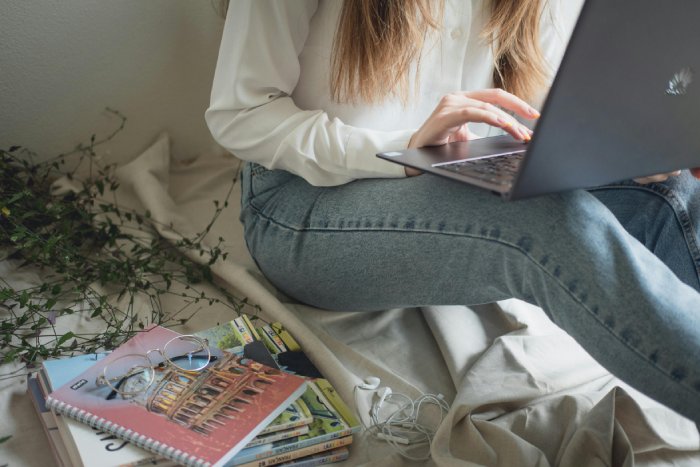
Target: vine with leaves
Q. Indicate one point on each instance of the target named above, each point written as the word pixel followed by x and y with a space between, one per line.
pixel 93 256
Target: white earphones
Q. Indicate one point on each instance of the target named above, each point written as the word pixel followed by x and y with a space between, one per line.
pixel 370 383
pixel 383 393
pixel 402 426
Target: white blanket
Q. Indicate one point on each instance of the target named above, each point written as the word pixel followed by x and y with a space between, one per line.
pixel 523 393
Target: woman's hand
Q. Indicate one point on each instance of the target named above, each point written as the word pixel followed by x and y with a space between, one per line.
pixel 656 178
pixel 695 172
pixel 449 120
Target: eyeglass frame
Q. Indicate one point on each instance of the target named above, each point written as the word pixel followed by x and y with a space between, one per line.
pixel 102 379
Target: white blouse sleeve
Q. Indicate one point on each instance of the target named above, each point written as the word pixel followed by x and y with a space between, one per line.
pixel 252 114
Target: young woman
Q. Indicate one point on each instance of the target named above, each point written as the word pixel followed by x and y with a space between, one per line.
pixel 309 91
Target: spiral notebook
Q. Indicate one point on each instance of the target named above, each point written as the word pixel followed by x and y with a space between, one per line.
pixel 196 419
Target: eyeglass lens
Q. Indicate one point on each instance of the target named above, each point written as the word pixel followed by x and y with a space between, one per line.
pixel 188 353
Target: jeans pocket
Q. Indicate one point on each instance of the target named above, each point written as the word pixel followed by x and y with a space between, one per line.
pixel 263 180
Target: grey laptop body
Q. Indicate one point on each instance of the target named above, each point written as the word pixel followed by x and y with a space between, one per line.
pixel 625 103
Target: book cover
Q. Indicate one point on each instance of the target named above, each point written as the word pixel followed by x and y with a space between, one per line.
pixel 223 337
pixel 332 396
pixel 326 457
pixel 295 415
pixel 196 418
pixel 85 445
pixel 327 425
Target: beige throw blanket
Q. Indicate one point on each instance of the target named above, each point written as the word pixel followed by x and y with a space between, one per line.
pixel 522 392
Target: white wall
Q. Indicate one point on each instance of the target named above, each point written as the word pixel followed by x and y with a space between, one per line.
pixel 63 61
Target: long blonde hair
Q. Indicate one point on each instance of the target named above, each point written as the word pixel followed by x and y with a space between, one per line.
pixel 377 42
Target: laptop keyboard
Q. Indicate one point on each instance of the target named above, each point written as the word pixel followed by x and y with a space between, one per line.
pixel 499 169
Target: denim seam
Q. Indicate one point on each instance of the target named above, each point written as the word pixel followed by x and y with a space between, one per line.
pixel 508 244
pixel 679 211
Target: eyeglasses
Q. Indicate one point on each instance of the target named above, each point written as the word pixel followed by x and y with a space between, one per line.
pixel 133 374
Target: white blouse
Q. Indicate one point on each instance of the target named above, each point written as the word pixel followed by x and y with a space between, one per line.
pixel 270 101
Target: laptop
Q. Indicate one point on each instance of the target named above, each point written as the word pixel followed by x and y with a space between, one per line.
pixel 625 103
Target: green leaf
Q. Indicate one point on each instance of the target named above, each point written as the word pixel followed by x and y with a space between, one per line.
pixel 23 298
pixel 5 438
pixel 64 338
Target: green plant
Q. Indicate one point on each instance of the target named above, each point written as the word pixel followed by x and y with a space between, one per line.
pixel 93 257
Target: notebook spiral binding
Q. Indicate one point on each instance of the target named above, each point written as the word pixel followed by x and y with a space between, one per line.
pixel 133 437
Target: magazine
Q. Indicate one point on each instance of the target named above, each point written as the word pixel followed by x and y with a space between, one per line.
pixel 197 418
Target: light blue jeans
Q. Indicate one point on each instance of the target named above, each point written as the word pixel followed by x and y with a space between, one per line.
pixel 616 267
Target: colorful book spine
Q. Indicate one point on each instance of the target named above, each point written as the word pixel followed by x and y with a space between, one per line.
pixel 240 328
pixel 251 329
pixel 86 446
pixel 267 330
pixel 307 451
pixel 48 423
pixel 287 338
pixel 327 457
pixel 278 436
pixel 277 343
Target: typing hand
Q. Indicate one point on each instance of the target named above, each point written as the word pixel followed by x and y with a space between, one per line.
pixel 448 122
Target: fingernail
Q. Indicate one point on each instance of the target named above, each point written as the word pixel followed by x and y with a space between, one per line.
pixel 534 113
pixel 504 122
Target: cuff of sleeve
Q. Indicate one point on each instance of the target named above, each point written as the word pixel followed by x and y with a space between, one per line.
pixel 362 148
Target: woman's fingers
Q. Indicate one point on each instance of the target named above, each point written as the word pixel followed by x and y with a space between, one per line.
pixel 458 109
pixel 505 120
pixel 506 100
pixel 449 119
pixel 657 178
pixel 494 117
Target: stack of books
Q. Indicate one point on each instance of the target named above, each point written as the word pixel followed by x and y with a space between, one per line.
pixel 246 408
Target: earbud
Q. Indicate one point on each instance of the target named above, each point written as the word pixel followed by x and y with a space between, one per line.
pixel 383 393
pixel 370 383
